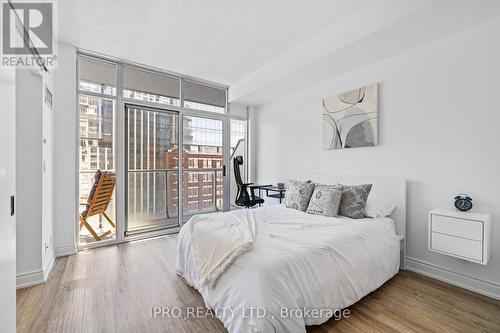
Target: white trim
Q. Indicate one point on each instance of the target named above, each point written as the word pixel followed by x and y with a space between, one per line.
pixel 479 286
pixel 29 279
pixel 131 238
pixel 66 250
pixel 38 276
pixel 47 268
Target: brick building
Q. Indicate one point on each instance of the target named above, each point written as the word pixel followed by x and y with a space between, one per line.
pixel 202 182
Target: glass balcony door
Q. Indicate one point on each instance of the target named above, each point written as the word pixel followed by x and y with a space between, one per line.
pixel 152 143
pixel 153 168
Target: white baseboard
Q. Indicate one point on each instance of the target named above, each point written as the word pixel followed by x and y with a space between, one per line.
pixel 486 288
pixel 66 250
pixel 29 279
pixel 47 268
pixel 38 276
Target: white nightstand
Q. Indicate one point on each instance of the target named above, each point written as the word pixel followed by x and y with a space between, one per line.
pixel 464 235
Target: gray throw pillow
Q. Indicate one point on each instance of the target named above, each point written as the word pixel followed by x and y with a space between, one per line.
pixel 353 201
pixel 325 200
pixel 297 194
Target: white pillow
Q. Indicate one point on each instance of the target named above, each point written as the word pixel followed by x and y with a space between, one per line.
pixel 376 207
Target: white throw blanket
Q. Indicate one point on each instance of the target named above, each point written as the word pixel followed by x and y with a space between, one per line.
pixel 218 239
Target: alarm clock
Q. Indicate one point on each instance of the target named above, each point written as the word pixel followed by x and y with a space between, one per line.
pixel 463 202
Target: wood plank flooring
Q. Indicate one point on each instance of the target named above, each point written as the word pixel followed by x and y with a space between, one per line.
pixel 112 289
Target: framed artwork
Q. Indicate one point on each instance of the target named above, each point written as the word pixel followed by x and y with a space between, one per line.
pixel 350 119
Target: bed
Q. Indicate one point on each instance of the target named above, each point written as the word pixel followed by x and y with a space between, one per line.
pixel 302 268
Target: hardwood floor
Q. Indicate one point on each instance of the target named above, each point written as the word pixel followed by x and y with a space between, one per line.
pixel 112 289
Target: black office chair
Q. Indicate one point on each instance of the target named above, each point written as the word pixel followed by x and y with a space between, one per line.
pixel 242 197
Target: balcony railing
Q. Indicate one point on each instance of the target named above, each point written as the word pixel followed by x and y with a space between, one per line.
pixel 153 198
pixel 153 195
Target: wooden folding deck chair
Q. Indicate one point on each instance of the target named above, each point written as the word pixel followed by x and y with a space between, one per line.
pixel 98 201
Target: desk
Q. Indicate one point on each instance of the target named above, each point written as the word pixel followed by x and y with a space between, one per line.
pixel 279 192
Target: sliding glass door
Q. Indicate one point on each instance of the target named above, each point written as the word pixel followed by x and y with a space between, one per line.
pixel 152 141
pixel 153 168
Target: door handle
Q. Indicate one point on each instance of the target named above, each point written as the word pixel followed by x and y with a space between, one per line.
pixel 12 205
pixel 223 171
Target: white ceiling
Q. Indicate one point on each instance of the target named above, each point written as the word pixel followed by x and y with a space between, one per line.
pixel 219 40
pixel 377 31
pixel 264 49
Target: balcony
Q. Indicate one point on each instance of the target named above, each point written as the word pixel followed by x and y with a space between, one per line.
pixel 153 198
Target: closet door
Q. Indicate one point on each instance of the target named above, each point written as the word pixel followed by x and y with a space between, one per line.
pixel 7 209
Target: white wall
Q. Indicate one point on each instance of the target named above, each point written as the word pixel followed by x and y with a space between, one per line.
pixel 29 171
pixel 439 119
pixel 65 137
pixel 34 177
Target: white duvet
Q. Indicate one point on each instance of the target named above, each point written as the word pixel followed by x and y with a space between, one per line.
pixel 299 263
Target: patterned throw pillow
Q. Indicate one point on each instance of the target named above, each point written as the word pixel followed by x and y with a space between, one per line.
pixel 297 194
pixel 325 200
pixel 353 201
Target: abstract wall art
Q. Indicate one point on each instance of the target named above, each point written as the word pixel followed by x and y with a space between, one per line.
pixel 350 119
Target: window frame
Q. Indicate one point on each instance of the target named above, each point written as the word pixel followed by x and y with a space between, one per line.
pixel 205 201
pixel 219 189
pixel 207 187
pixel 121 101
pixel 190 188
pixel 207 177
pixel 192 177
pixel 104 96
pixel 194 203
